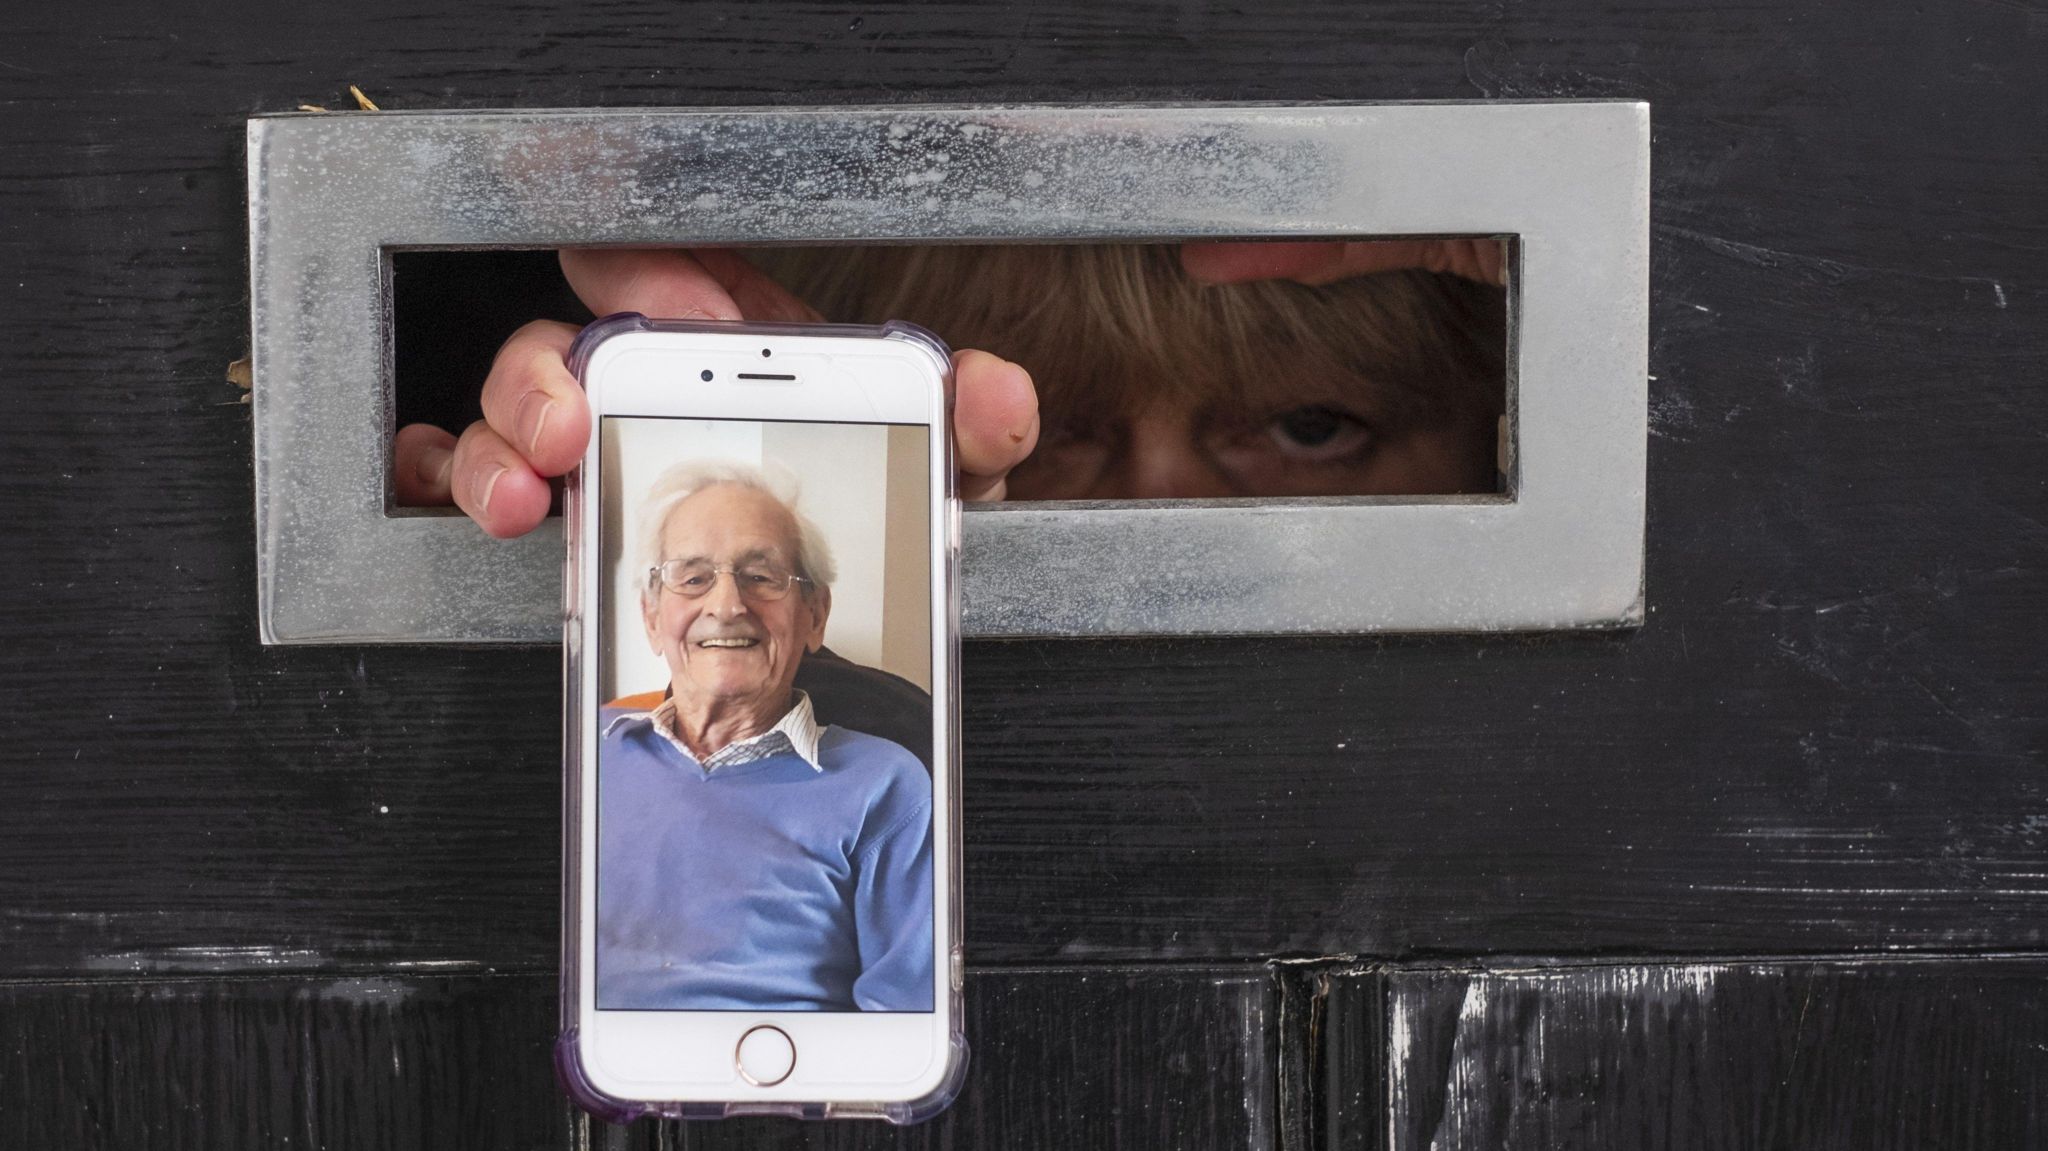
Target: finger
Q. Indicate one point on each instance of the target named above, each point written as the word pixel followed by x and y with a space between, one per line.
pixel 422 459
pixel 1236 262
pixel 1373 256
pixel 1326 262
pixel 666 283
pixel 995 422
pixel 758 295
pixel 533 402
pixel 1479 260
pixel 1483 260
pixel 671 283
pixel 492 483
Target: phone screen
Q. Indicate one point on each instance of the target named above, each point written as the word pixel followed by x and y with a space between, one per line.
pixel 765 723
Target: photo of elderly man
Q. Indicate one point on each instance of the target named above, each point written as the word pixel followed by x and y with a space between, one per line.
pixel 750 858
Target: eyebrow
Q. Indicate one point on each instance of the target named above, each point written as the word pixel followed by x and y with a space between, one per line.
pixel 747 556
pixel 1357 392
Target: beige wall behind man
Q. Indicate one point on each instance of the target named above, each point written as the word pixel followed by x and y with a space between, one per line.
pixel 907 570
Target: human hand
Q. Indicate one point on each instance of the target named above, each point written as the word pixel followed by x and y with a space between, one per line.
pixel 1322 262
pixel 537 422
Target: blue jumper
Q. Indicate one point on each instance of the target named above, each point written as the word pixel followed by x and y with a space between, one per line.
pixel 770 885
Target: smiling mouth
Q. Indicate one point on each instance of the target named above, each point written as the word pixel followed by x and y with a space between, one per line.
pixel 728 641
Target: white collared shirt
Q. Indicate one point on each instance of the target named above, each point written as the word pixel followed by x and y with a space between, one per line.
pixel 796 731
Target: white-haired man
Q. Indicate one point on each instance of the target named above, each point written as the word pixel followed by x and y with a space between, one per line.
pixel 748 858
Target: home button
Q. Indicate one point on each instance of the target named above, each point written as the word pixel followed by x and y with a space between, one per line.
pixel 765 1056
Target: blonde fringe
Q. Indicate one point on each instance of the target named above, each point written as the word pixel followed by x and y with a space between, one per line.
pixel 1121 327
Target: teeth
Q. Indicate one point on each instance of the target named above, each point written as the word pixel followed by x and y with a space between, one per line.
pixel 736 641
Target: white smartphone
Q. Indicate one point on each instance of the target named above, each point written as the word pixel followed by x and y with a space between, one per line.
pixel 761 799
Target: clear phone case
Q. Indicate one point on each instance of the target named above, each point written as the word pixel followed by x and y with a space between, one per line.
pixel 945 695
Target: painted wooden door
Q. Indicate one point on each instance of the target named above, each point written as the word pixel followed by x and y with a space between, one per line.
pixel 1768 873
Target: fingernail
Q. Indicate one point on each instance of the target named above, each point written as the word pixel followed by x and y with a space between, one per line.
pixel 533 415
pixel 433 465
pixel 487 484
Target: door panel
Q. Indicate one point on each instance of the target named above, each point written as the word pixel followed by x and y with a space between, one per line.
pixel 1089 1056
pixel 1847 1054
pixel 1824 747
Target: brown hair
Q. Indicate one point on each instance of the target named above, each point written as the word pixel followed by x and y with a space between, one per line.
pixel 1109 329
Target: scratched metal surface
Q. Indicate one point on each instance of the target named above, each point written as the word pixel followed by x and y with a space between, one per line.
pixel 332 195
pixel 1828 737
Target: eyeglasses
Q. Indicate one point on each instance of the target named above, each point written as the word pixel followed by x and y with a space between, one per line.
pixel 694 579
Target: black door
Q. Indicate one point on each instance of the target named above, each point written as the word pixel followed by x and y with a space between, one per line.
pixel 1769 872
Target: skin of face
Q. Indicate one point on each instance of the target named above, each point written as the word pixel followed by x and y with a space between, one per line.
pixel 724 693
pixel 1295 445
pixel 1168 374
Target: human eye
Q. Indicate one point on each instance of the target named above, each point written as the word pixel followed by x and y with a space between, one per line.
pixel 757 576
pixel 1317 434
pixel 1306 449
pixel 693 579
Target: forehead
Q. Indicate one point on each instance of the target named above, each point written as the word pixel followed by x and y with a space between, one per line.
pixel 725 521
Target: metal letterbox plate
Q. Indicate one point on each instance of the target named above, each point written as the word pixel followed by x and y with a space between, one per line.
pixel 331 195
